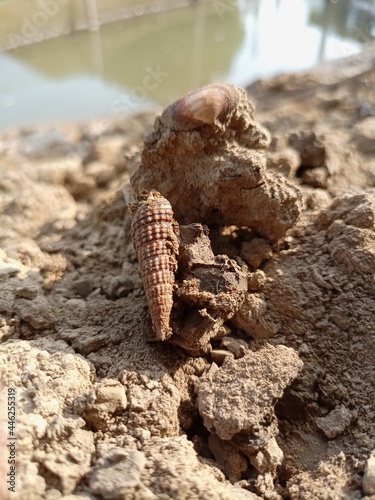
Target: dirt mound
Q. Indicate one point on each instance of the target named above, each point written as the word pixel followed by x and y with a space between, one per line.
pixel 280 401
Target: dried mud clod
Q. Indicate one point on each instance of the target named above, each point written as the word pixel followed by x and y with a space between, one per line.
pixel 206 156
pixel 236 402
pixel 209 290
pixel 156 245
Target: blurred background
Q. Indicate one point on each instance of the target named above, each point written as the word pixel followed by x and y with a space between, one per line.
pixel 84 59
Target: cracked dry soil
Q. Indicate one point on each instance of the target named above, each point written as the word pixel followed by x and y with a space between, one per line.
pixel 279 404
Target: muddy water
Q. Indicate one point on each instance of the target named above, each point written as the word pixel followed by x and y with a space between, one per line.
pixel 150 59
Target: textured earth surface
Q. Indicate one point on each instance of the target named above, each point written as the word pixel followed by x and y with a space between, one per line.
pixel 280 407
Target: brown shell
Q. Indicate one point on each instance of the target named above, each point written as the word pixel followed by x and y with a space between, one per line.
pixel 201 107
pixel 154 234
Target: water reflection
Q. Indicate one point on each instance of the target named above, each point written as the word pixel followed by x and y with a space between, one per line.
pixel 152 59
pixel 172 55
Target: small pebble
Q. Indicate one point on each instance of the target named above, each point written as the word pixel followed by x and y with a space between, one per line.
pixel 368 483
pixel 27 291
pixel 8 270
pixel 83 286
pixel 335 422
pixel 219 355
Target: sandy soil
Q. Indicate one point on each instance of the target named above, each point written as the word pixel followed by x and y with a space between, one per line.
pixel 279 401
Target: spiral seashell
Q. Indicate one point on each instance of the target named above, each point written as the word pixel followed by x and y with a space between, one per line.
pixel 201 107
pixel 154 234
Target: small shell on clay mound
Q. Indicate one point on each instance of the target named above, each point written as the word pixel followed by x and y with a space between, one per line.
pixel 156 245
pixel 206 156
pixel 201 107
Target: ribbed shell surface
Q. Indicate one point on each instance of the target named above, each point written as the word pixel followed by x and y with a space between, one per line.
pixel 156 245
